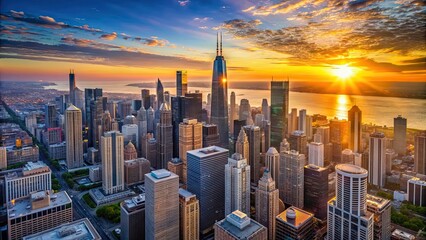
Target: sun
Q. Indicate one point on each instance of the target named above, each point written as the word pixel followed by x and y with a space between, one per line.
pixel 343 72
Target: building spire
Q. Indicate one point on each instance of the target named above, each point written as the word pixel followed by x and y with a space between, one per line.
pixel 220 48
pixel 217 44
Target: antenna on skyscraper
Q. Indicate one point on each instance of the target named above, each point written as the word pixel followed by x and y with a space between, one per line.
pixel 220 48
pixel 217 44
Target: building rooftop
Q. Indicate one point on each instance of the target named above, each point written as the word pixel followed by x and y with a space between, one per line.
pixel 161 173
pixel 417 181
pixel 350 168
pixel 207 152
pixel 185 194
pixel 316 168
pixel 298 133
pixel 295 217
pixel 31 168
pixel 377 135
pixel 377 202
pixel 134 203
pixel 403 235
pixel 22 207
pixel 239 225
pixel 73 108
pixel 77 230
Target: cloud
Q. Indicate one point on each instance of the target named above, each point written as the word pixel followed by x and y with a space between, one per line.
pixel 109 36
pixel 152 41
pixel 88 51
pixel 183 3
pixel 204 19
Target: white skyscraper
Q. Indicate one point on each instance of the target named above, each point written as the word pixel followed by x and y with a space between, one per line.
pixel 291 178
pixel 316 151
pixel 348 217
pixel 112 151
pixel 272 163
pixel 237 185
pixel 377 160
pixel 74 137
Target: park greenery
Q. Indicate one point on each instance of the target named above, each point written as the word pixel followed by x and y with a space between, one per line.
pixel 410 216
pixel 89 201
pixel 109 212
pixel 69 176
pixel 55 184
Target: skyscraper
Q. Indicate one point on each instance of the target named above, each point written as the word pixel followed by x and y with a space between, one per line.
pixel 355 120
pixel 130 151
pixel 420 153
pixel 382 216
pixel 232 112
pixel 164 136
pixel 316 190
pixel 181 83
pixel 293 124
pixel 219 96
pixel 302 121
pixel 316 151
pixel 206 179
pixel 132 217
pixel 279 111
pixel 267 203
pixel 238 225
pixel 237 185
pixel 245 109
pixel 377 160
pixel 89 96
pixel 189 208
pixel 253 134
pixel 160 93
pixel 50 116
pixel 210 135
pixel 72 86
pixel 178 114
pixel 265 108
pixel 190 138
pixel 74 137
pixel 112 152
pixel 298 141
pixel 291 178
pixel 242 144
pixel 145 98
pixel 96 111
pixel 400 134
pixel 348 217
pixel 161 205
pixel 338 137
pixel 142 126
pixel 272 163
pixel 296 224
pixel 193 105
pixel 150 119
pixel 130 133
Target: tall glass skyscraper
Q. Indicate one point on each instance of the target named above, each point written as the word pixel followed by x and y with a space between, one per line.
pixel 279 111
pixel 181 83
pixel 219 96
pixel 160 93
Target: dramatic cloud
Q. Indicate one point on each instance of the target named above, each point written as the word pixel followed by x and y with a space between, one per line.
pixel 109 36
pixel 87 51
pixel 152 42
pixel 183 3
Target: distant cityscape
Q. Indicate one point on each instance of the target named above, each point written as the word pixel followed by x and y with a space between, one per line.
pixel 94 165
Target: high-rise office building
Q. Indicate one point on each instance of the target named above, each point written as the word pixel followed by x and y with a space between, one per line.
pixel 302 121
pixel 72 86
pixel 237 225
pixel 267 203
pixel 355 120
pixel 164 136
pixel 272 163
pixel 206 168
pixel 232 112
pixel 265 109
pixel 142 126
pixel 420 153
pixel 106 122
pixel 50 116
pixel 74 137
pixel 377 160
pixel 348 217
pixel 253 134
pixel 382 216
pixel 400 135
pixel 210 135
pixel 189 209
pixel 178 114
pixel 112 108
pixel 348 156
pixel 284 146
pixel 219 102
pixel 190 138
pixel 130 134
pixel 293 124
pixel 295 223
pixel 298 142
pixel 181 83
pixel 309 129
pixel 112 152
pixel 265 133
pixel 316 190
pixel 237 184
pixel 324 132
pixel 41 211
pixel 96 112
pixel 130 152
pixel 316 151
pixel 338 137
pixel 3 158
pixel 242 144
pixel 279 111
pixel 176 166
pixel 160 93
pixel 145 98
pixel 291 178
pixel 135 170
pixel 245 110
pixel 416 192
pixel 150 119
pixel 34 176
pixel 161 205
pixel 89 96
pixel 79 98
pixel 193 105
pixel 132 218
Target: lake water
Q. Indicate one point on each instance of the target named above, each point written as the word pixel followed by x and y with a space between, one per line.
pixel 376 110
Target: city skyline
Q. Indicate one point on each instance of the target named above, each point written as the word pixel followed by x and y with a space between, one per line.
pixel 361 41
